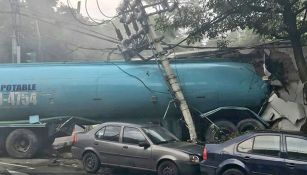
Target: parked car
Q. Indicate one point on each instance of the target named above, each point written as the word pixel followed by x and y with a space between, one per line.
pixel 258 152
pixel 144 147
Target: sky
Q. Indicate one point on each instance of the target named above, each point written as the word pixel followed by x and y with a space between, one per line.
pixel 107 6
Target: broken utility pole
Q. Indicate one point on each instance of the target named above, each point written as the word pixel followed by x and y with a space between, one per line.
pixel 135 13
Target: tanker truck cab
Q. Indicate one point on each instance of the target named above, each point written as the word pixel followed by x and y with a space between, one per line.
pixel 21 139
pixel 24 139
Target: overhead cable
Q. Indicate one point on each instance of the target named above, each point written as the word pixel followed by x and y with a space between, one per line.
pixel 84 23
pixel 100 10
pixel 89 16
pixel 66 28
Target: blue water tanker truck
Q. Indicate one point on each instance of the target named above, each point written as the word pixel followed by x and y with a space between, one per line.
pixel 40 102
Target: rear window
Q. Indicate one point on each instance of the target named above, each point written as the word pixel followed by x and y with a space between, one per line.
pixel 246 146
pixel 296 148
pixel 109 133
pixel 267 145
pixel 261 145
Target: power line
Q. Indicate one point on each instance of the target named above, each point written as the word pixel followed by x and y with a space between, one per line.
pixel 68 22
pixel 263 45
pixel 89 16
pixel 100 10
pixel 66 28
pixel 77 19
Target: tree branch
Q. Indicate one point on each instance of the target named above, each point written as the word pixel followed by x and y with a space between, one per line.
pixel 300 10
pixel 303 28
pixel 262 9
pixel 258 8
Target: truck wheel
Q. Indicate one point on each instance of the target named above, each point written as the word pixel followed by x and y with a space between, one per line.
pixel 220 131
pixel 2 145
pixel 47 143
pixel 22 143
pixel 249 125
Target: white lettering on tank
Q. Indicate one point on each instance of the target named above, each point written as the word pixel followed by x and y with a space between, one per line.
pixel 18 98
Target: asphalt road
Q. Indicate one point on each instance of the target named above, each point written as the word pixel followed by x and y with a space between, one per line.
pixel 10 166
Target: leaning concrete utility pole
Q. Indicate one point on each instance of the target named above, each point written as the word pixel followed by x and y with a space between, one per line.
pixel 173 83
pixel 149 30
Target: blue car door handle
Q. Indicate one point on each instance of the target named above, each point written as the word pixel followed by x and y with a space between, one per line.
pixel 291 165
pixel 247 158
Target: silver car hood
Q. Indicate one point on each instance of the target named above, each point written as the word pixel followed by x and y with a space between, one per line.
pixel 186 147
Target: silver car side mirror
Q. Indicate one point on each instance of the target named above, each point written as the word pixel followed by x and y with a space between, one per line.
pixel 144 145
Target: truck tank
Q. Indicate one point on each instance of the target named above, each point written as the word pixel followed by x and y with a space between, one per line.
pixel 123 91
pixel 65 94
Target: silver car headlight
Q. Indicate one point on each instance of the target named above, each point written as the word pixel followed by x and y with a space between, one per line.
pixel 194 158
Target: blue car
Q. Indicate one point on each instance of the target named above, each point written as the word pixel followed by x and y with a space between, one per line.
pixel 258 152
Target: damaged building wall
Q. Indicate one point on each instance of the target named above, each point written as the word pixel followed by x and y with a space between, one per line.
pixel 276 63
pixel 285 107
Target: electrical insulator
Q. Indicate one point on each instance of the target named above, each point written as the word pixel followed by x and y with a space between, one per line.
pixel 119 34
pixel 128 32
pixel 123 7
pixel 135 25
pixel 129 19
pixel 126 43
pixel 134 36
pixel 140 16
pixel 135 3
pixel 141 32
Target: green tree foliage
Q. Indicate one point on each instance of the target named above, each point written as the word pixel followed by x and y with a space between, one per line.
pixel 276 19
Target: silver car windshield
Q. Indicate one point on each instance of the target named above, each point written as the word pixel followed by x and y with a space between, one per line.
pixel 159 135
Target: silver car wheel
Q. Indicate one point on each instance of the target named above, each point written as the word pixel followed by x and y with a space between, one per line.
pixel 91 162
pixel 167 168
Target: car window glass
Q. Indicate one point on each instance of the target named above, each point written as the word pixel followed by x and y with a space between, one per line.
pixel 99 134
pixel 133 136
pixel 267 145
pixel 296 148
pixel 246 146
pixel 159 135
pixel 112 133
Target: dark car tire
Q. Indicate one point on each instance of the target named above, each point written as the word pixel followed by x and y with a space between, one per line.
pixel 249 125
pixel 233 172
pixel 91 162
pixel 2 145
pixel 213 135
pixel 22 143
pixel 168 168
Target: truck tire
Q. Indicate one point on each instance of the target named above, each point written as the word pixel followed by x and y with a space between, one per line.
pixel 2 145
pixel 220 133
pixel 22 143
pixel 249 125
pixel 47 142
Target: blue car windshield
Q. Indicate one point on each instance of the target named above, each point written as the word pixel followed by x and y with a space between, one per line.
pixel 159 135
